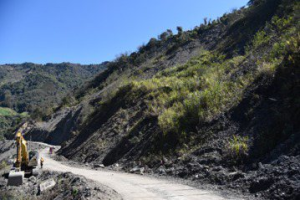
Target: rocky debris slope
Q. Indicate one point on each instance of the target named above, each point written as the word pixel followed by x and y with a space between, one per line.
pixel 6 150
pixel 276 180
pixel 67 187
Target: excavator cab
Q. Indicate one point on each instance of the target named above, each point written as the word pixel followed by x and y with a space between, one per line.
pixel 34 158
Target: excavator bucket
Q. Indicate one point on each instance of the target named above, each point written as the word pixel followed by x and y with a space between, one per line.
pixel 15 178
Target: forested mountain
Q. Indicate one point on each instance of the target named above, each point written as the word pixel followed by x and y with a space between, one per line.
pixel 216 104
pixel 27 87
pixel 36 90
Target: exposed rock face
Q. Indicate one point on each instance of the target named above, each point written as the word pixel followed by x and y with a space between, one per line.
pixel 58 129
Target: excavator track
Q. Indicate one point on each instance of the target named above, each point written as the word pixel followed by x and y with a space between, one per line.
pixel 16 178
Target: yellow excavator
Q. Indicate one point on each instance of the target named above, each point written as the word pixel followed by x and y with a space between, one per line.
pixel 25 162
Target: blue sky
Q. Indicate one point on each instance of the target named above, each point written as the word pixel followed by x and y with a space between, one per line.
pixel 93 31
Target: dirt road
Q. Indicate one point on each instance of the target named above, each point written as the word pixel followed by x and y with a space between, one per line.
pixel 134 187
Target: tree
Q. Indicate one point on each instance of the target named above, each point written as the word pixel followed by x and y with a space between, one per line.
pixel 152 42
pixel 209 22
pixel 170 32
pixel 179 30
pixel 122 58
pixel 37 114
pixel 205 21
pixel 254 2
pixel 141 48
pixel 251 2
pixel 7 99
pixel 163 36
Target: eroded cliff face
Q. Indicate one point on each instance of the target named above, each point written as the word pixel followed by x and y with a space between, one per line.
pixel 61 127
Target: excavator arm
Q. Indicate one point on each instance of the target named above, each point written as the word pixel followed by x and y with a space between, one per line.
pixel 22 152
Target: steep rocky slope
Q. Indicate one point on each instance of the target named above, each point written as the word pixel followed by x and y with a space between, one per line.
pixel 216 104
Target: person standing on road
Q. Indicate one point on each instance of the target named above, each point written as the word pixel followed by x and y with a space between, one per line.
pixel 42 162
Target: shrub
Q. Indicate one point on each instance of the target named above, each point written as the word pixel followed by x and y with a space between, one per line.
pixel 169 120
pixel 3 165
pixel 179 30
pixel 267 68
pixel 238 146
pixel 259 39
pixel 74 191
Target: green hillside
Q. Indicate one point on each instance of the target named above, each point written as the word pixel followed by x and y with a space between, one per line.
pixel 7 112
pixel 38 88
pixel 10 120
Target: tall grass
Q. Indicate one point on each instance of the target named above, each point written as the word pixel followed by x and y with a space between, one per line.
pixel 208 85
pixel 185 95
pixel 238 146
